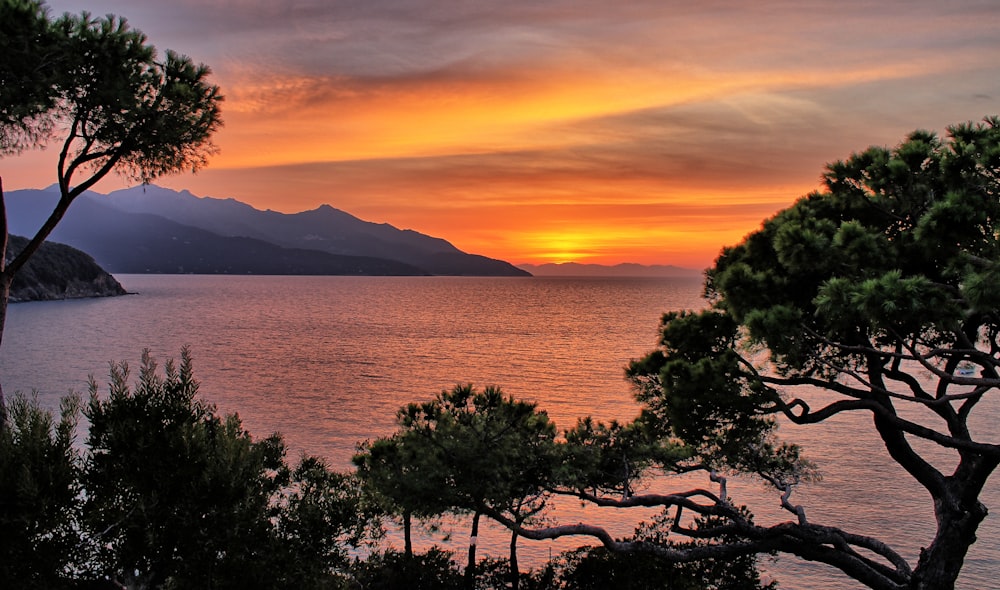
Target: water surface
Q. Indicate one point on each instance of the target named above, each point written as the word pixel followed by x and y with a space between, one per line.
pixel 327 361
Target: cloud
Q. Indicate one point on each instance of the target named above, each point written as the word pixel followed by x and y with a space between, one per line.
pixel 402 38
pixel 506 123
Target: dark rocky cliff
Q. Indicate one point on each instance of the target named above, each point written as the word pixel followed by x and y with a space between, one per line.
pixel 57 271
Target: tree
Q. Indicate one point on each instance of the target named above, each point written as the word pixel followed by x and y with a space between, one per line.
pixel 39 496
pixel 167 494
pixel 321 516
pixel 178 496
pixel 400 476
pixel 861 292
pixel 98 85
pixel 466 451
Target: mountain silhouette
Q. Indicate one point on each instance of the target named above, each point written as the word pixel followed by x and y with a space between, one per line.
pixel 325 228
pixel 157 230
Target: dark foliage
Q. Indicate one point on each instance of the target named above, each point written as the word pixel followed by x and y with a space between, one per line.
pixel 167 495
pixel 391 570
pixel 180 497
pixel 39 496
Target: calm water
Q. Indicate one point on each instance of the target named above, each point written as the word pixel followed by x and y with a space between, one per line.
pixel 327 361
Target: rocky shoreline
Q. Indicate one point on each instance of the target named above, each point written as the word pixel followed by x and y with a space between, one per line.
pixel 56 272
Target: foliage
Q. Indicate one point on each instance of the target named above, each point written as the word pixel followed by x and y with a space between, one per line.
pixel 39 496
pixel 876 293
pixel 464 451
pixel 863 290
pixel 184 501
pixel 167 495
pixel 322 515
pixel 397 480
pixel 30 60
pixel 180 497
pixel 101 86
pixel 489 448
pixel 390 570
pixel 119 106
pixel 617 458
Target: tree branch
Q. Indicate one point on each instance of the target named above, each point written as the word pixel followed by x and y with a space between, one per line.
pixel 684 499
pixel 807 416
pixel 813 542
pixel 797 510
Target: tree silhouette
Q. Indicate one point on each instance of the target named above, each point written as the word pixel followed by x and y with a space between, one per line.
pixel 466 451
pixel 96 85
pixel 880 291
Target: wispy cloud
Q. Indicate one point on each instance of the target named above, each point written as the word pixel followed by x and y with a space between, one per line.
pixel 638 130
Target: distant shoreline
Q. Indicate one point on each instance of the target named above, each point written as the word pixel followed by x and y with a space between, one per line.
pixel 575 269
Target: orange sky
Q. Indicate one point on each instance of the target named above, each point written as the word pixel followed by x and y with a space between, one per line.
pixel 536 131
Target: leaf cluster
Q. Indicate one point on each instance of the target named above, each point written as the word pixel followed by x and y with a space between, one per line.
pixel 891 263
pixel 177 485
pixel 617 458
pixel 897 248
pixel 104 88
pixel 460 451
pixel 116 105
pixel 30 61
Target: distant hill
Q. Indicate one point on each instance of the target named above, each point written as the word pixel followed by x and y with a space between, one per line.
pixel 57 271
pixel 157 230
pixel 575 269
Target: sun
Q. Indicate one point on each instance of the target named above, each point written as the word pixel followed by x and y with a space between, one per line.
pixel 563 257
pixel 564 247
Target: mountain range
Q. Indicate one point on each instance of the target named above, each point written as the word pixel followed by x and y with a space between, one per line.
pixel 158 230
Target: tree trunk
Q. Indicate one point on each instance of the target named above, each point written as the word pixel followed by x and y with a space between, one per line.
pixel 407 537
pixel 470 567
pixel 5 281
pixel 515 574
pixel 940 564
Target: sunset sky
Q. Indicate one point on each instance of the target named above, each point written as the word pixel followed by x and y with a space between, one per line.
pixel 547 131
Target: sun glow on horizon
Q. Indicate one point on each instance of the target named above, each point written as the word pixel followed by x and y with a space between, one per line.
pixel 538 132
pixel 563 247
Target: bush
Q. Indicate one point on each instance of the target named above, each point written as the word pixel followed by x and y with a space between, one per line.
pixel 39 495
pixel 179 497
pixel 392 570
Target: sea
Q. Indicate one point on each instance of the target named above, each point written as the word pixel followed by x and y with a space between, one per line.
pixel 328 361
